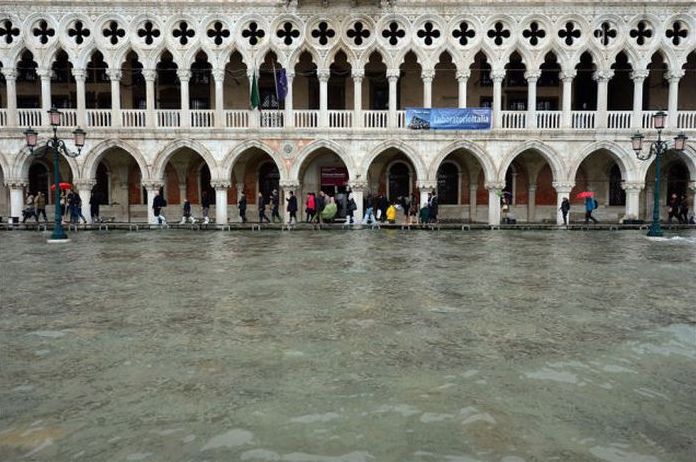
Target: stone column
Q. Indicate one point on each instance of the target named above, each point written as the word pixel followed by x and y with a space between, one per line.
pixel 358 76
pixel 497 76
pixel 531 203
pixel 115 78
pixel 219 78
pixel 149 75
pixel 427 76
pixel 638 77
pixel 358 188
pixel 323 76
pixel 532 78
pixel 80 76
pixel 16 187
pixel 240 189
pixel 254 114
pixel 673 101
pixel 649 200
pixel 602 77
pixel 182 192
pixel 633 189
pixel 285 187
pixel 473 189
pixel 393 77
pixel 184 78
pixel 425 188
pixel 221 188
pixel 567 76
pixel 462 79
pixel 152 188
pixel 562 191
pixel 11 83
pixel 84 189
pixel 692 188
pixel 45 75
pixel 494 190
pixel 289 120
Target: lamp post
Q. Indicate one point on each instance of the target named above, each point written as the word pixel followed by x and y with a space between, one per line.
pixel 657 149
pixel 57 146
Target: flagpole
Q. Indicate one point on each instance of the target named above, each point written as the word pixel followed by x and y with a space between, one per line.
pixel 275 83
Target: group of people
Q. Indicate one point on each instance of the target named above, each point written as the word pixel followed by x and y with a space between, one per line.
pixel 678 208
pixel 71 207
pixel 34 207
pixel 186 214
pixel 262 202
pixel 380 209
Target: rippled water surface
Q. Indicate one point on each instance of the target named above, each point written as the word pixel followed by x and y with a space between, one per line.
pixel 348 347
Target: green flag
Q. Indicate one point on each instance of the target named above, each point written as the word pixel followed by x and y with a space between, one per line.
pixel 255 99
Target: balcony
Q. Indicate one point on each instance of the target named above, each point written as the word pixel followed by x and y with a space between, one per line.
pixel 335 119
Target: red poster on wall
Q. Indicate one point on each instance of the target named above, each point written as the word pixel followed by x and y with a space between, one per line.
pixel 334 176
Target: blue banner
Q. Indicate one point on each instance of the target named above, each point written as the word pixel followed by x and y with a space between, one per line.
pixel 448 119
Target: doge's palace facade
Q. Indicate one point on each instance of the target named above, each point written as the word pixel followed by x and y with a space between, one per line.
pixel 163 91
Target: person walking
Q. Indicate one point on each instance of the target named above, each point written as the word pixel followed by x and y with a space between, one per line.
pixel 683 210
pixel 320 204
pixel 590 205
pixel 262 209
pixel 40 203
pixel 205 207
pixel 391 213
pixel 382 205
pixel 94 203
pixel 74 207
pixel 186 213
pixel 242 206
pixel 29 210
pixel 434 207
pixel 369 205
pixel 292 208
pixel 158 203
pixel 673 209
pixel 310 207
pixel 565 209
pixel 351 208
pixel 275 205
pixel 78 203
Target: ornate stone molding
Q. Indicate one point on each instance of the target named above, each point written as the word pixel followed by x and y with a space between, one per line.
pixel 463 75
pixel 150 185
pixel 640 74
pixel 218 75
pixel 498 75
pixel 114 74
pixel 428 74
pixel 567 74
pixel 603 75
pixel 44 73
pixel 632 186
pixel 675 74
pixel 323 74
pixel 494 185
pixel 532 75
pixel 9 73
pixel 358 185
pixel 16 183
pixel 220 184
pixel 358 74
pixel 184 75
pixel 427 185
pixel 79 74
pixel 393 74
pixel 563 187
pixel 81 185
pixel 149 74
pixel 289 185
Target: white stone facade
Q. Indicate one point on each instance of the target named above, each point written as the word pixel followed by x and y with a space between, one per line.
pixel 297 137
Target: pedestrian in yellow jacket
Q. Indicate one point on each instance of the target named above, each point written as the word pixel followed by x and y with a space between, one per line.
pixel 391 213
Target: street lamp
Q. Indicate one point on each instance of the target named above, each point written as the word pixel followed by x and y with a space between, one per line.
pixel 657 148
pixel 58 146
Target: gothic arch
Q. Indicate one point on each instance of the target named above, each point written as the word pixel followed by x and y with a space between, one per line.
pixel 409 152
pixel 554 159
pixel 236 152
pixel 486 161
pixel 625 160
pixel 160 161
pixel 96 154
pixel 332 146
pixel 688 156
pixel 24 159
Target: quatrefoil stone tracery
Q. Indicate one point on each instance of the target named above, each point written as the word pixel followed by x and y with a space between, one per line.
pixel 253 33
pixel 569 33
pixel 323 33
pixel 428 33
pixel 183 33
pixel 676 33
pixel 393 33
pixel 463 33
pixel 8 31
pixel 218 33
pixel 148 32
pixel 605 33
pixel 498 33
pixel 534 33
pixel 288 33
pixel 113 32
pixel 43 32
pixel 79 31
pixel 358 33
pixel 641 33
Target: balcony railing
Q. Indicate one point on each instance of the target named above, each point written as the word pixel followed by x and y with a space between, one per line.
pixel 335 119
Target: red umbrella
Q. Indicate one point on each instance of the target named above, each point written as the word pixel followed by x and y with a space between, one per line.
pixel 63 186
pixel 585 195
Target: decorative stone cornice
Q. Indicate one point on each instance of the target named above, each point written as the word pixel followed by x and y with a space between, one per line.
pixel 149 74
pixel 358 185
pixel 358 74
pixel 44 73
pixel 323 74
pixel 428 74
pixel 563 187
pixel 9 73
pixel 81 185
pixel 632 185
pixel 675 74
pixel 498 75
pixel 427 185
pixel 393 74
pixel 463 75
pixel 289 185
pixel 184 75
pixel 218 75
pixel 567 74
pixel 152 184
pixel 16 183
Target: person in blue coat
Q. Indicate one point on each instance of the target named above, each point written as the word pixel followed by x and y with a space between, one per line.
pixel 590 205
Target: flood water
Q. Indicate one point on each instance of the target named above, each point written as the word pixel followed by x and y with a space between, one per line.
pixel 348 347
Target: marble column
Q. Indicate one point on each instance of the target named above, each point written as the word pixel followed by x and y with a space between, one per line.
pixel 182 192
pixel 673 77
pixel 562 191
pixel 289 120
pixel 221 188
pixel 602 77
pixel 567 76
pixel 84 189
pixel 427 76
pixel 240 190
pixel 633 189
pixel 531 203
pixel 494 190
pixel 115 78
pixel 150 118
pixel 11 86
pixel 473 189
pixel 692 206
pixel 16 187
pixel 219 78
pixel 323 76
pixel 393 78
pixel 358 76
pixel 638 77
pixel 497 76
pixel 462 80
pixel 152 188
pixel 357 189
pixel 45 75
pixel 532 78
pixel 184 78
pixel 80 76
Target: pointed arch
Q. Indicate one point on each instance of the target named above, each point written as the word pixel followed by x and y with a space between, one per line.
pixel 409 152
pixel 549 154
pixel 160 161
pixel 24 159
pixel 331 55
pixel 237 151
pixel 95 154
pixel 485 159
pixel 332 146
pixel 688 156
pixel 625 160
pixel 294 57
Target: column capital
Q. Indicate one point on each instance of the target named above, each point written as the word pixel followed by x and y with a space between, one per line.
pixel 640 74
pixel 393 74
pixel 568 74
pixel 149 74
pixel 532 188
pixel 289 74
pixel 473 186
pixel 152 184
pixel 44 73
pixel 532 75
pixel 218 75
pixel 632 185
pixel 498 75
pixel 692 186
pixel 674 74
pixel 562 187
pixel 16 183
pixel 114 74
pixel 81 185
pixel 323 74
pixel 494 185
pixel 220 184
pixel 358 185
pixel 79 74
pixel 603 75
pixel 9 73
pixel 463 75
pixel 428 74
pixel 289 185
pixel 357 74
pixel 427 185
pixel 184 75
